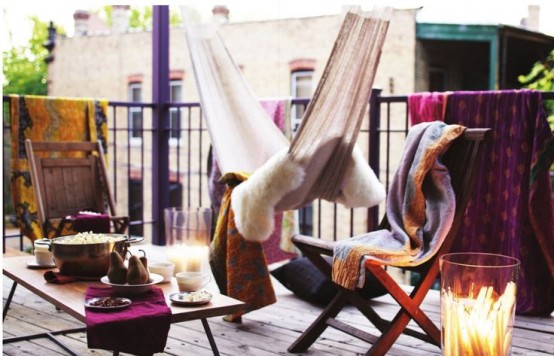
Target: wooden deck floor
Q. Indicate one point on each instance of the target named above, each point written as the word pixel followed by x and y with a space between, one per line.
pixel 268 331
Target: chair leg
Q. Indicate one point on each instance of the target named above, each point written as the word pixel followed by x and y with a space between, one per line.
pixel 363 306
pixel 410 309
pixel 389 337
pixel 390 330
pixel 311 334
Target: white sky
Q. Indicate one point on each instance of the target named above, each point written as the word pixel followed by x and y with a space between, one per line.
pixel 15 13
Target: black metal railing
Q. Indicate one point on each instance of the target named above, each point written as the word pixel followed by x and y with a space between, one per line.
pixel 130 160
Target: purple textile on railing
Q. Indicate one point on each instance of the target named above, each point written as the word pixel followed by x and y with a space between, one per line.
pixel 140 329
pixel 511 210
pixel 427 107
pixel 276 111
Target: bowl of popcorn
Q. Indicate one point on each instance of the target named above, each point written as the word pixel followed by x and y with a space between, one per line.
pixel 87 254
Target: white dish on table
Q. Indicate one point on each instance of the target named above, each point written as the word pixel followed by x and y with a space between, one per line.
pixel 191 298
pixel 36 265
pixel 133 289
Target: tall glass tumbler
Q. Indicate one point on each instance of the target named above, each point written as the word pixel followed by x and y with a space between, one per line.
pixel 478 301
pixel 188 232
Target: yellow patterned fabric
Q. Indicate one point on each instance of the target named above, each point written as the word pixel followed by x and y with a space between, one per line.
pixel 41 118
pixel 239 266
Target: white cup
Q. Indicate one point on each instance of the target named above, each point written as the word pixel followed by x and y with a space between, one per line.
pixel 192 281
pixel 164 269
pixel 42 255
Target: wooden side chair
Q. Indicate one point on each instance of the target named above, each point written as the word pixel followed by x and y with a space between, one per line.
pixel 69 177
pixel 461 160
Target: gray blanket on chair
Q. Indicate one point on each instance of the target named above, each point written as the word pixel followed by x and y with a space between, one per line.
pixel 420 209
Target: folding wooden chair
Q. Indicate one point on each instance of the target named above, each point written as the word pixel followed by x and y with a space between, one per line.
pixel 461 160
pixel 69 177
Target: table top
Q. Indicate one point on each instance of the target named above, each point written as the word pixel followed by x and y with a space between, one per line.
pixel 70 297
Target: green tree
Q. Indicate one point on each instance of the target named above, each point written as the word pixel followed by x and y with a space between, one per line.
pixel 541 77
pixel 25 71
pixel 139 18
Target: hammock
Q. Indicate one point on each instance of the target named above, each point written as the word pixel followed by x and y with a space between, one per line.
pixel 322 161
pixel 242 134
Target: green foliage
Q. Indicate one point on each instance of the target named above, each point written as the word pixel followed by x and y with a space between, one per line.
pixel 25 71
pixel 174 18
pixel 142 18
pixel 541 77
pixel 139 18
pixel 106 15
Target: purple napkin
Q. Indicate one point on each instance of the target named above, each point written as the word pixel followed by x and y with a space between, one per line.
pixel 97 223
pixel 58 278
pixel 139 329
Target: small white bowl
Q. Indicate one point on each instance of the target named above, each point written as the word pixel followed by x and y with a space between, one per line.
pixel 164 269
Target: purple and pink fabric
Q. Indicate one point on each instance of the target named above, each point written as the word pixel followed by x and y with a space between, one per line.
pixel 427 107
pixel 140 329
pixel 58 278
pixel 85 222
pixel 511 210
pixel 420 209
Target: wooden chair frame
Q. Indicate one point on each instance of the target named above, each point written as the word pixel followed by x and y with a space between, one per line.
pixel 461 159
pixel 86 160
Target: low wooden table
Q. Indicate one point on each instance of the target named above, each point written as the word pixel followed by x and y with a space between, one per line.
pixel 70 298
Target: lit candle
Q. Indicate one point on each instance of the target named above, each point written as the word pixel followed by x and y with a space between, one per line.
pixel 193 259
pixel 175 255
pixel 478 324
pixel 189 258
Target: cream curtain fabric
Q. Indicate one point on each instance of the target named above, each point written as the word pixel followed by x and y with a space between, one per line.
pixel 243 136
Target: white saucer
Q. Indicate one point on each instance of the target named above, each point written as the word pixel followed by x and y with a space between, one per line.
pixel 35 265
pixel 191 298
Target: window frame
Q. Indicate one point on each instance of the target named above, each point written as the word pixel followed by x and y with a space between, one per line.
pixel 175 113
pixel 437 73
pixel 135 140
pixel 296 113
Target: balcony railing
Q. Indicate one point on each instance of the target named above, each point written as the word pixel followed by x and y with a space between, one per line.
pixel 130 161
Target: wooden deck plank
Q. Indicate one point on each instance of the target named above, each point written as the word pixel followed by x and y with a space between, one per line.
pixel 265 332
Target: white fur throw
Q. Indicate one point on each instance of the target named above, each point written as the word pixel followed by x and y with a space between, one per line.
pixel 253 200
pixel 361 186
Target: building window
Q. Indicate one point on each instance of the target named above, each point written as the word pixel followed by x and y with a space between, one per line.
pixel 135 113
pixel 176 88
pixel 301 87
pixel 437 79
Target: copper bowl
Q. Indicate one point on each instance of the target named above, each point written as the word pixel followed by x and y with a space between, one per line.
pixel 89 260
